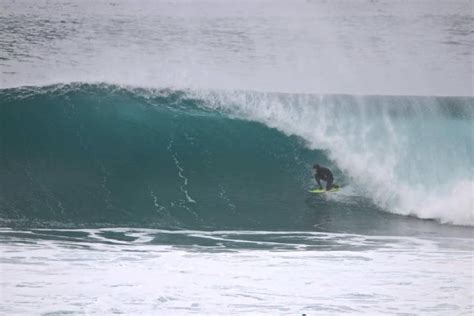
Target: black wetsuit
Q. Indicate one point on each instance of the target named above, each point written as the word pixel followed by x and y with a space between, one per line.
pixel 326 175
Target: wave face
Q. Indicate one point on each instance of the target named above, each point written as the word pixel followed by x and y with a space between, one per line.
pixel 82 154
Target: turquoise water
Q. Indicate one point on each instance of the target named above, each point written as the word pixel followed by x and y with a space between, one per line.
pixel 101 155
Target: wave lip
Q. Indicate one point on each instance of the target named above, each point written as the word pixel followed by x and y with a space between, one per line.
pixel 410 155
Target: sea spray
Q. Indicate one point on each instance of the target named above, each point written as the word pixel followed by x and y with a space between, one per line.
pixel 410 155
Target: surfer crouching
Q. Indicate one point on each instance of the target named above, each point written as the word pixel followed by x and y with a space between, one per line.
pixel 322 173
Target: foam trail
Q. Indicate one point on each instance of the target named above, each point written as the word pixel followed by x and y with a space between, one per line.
pixel 181 175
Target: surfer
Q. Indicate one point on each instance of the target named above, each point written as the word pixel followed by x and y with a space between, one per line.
pixel 322 173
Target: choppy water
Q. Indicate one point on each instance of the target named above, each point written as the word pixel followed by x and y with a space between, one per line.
pixel 357 47
pixel 136 271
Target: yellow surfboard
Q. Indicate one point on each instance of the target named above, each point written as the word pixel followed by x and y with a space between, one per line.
pixel 333 189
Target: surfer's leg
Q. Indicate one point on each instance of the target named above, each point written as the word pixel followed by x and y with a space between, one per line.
pixel 329 184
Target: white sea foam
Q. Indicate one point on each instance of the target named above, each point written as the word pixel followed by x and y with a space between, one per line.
pixel 99 276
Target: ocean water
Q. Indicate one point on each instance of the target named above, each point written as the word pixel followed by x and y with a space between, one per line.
pixel 155 157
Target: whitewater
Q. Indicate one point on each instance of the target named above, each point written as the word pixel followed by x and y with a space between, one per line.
pixel 156 156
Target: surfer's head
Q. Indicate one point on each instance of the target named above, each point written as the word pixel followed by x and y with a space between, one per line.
pixel 316 167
